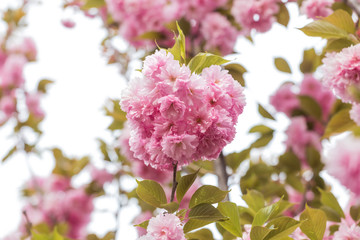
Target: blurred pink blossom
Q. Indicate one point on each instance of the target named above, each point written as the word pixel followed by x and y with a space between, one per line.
pixel 316 9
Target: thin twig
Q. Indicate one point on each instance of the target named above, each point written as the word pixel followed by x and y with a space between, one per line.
pixel 222 175
pixel 175 183
pixel 28 224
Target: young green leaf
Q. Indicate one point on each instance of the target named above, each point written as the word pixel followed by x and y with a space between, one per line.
pixel 342 20
pixel 329 200
pixel 324 29
pixel 263 112
pixel 185 183
pixel 310 106
pixel 206 212
pixel 207 194
pixel 9 154
pixel 202 234
pixel 178 50
pixel 236 71
pixel 254 199
pixel 314 223
pixel 170 207
pixel 283 226
pixel 193 224
pixel 339 123
pixel 143 224
pixel 151 192
pixel 232 225
pixel 261 129
pixel 93 4
pixel 283 16
pixel 282 65
pixel 204 60
pixel 259 232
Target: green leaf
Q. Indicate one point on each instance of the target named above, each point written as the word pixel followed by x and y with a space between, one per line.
pixel 232 225
pixel 310 106
pixel 283 16
pixel 282 65
pixel 314 159
pixel 259 233
pixel 261 129
pixel 151 192
pixel 328 199
pixel 170 207
pixel 207 194
pixel 185 183
pixel 193 224
pixel 337 44
pixel 324 29
pixel 104 150
pixel 143 224
pixel 234 160
pixel 254 199
pixel 355 212
pixel 119 116
pixel 262 141
pixel 339 123
pixel 178 50
pixel 93 4
pixel 9 154
pixel 263 215
pixel 236 71
pixel 290 162
pixel 283 226
pixel 341 5
pixel 152 35
pixel 68 166
pixel 204 60
pixel 206 212
pixel 310 61
pixel 342 20
pixel 314 223
pixel 43 85
pixel 202 234
pixel 331 214
pixel 263 112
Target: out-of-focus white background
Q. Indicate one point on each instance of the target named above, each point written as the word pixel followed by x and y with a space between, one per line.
pixel 83 83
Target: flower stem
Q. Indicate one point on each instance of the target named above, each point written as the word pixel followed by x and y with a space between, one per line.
pixel 175 183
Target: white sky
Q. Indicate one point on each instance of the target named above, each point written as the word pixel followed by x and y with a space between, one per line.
pixel 83 83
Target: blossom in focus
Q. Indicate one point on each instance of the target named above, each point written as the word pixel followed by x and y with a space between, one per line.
pixel 164 227
pixel 218 33
pixel 316 9
pixel 176 116
pixel 341 71
pixel 343 162
pixel 255 14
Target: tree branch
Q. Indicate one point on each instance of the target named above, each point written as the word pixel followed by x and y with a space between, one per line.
pixel 220 170
pixel 175 183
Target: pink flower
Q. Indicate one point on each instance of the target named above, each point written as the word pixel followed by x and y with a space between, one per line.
pixel 347 231
pixel 33 104
pixel 355 113
pixel 68 23
pixel 255 14
pixel 100 176
pixel 197 9
pixel 316 8
pixel 342 71
pixel 144 216
pixel 165 227
pixel 176 116
pixel 310 86
pixel 8 105
pixel 26 48
pixel 299 138
pixel 218 33
pixel 11 74
pixel 285 100
pixel 343 162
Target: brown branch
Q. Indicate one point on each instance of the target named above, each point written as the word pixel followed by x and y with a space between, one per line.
pixel 220 169
pixel 175 183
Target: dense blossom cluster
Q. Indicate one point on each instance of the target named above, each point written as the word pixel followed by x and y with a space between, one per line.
pixel 164 227
pixel 12 62
pixel 255 14
pixel 341 72
pixel 286 100
pixel 54 201
pixel 316 8
pixel 343 162
pixel 177 116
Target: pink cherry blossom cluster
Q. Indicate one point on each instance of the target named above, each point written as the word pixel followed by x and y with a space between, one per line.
pixel 176 116
pixel 316 9
pixel 343 162
pixel 12 62
pixel 286 99
pixel 164 227
pixel 138 167
pixel 54 201
pixel 255 14
pixel 304 131
pixel 341 72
